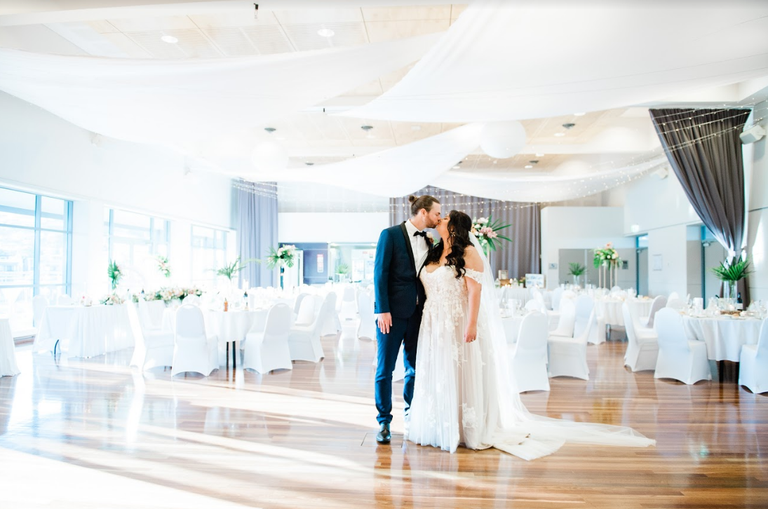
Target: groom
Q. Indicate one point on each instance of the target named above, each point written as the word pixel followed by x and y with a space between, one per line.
pixel 399 301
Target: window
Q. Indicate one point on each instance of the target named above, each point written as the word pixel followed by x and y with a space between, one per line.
pixel 35 240
pixel 209 253
pixel 134 241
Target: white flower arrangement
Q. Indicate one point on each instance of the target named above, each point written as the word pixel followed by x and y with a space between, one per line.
pixel 606 256
pixel 282 256
pixel 486 230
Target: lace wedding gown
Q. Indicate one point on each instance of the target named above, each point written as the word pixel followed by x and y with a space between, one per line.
pixel 463 393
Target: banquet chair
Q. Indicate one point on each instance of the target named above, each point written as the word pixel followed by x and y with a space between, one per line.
pixel 677 304
pixel 529 357
pixel 330 321
pixel 673 295
pixel 679 358
pixel 305 312
pixel 39 303
pixel 146 319
pixel 657 304
pixel 191 299
pixel 557 294
pixel 753 363
pixel 348 308
pixel 268 350
pixel 367 326
pixel 615 289
pixel 64 300
pixel 535 305
pixel 304 340
pixel 567 319
pixel 151 350
pixel 584 307
pixel 642 350
pixel 193 349
pixel 568 356
pixel 299 300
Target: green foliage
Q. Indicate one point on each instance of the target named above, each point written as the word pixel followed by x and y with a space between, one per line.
pixel 342 268
pixel 282 256
pixel 233 269
pixel 115 273
pixel 733 271
pixel 576 269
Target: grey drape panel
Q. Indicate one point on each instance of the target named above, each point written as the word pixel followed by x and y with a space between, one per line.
pixel 522 256
pixel 256 233
pixel 704 150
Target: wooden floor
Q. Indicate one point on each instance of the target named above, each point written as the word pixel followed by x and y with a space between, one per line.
pixel 92 433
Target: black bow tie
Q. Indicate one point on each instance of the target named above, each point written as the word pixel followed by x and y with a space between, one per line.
pixel 420 234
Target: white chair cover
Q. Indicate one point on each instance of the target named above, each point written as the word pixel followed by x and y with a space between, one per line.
pixel 193 350
pixel 677 304
pixel 753 365
pixel 348 309
pixel 641 350
pixel 567 319
pixel 268 350
pixel 64 300
pixel 299 300
pixel 151 350
pixel 679 358
pixel 568 356
pixel 193 300
pixel 658 303
pixel 557 294
pixel 330 323
pixel 39 303
pixel 304 340
pixel 529 357
pixel 673 295
pixel 306 311
pixel 584 307
pixel 8 365
pixel 367 326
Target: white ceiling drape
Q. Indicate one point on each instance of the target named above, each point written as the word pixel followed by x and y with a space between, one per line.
pixel 545 188
pixel 522 59
pixel 179 101
pixel 393 172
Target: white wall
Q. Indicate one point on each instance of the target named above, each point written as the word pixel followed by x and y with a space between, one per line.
pixel 44 153
pixel 757 239
pixel 581 228
pixel 331 227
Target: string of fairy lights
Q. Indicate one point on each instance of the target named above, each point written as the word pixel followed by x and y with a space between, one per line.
pixel 632 169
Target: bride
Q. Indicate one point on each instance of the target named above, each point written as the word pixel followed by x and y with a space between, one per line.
pixel 463 393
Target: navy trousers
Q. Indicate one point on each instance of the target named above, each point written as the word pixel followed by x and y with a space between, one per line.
pixel 404 331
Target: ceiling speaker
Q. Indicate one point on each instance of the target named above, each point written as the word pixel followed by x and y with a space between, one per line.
pixel 753 134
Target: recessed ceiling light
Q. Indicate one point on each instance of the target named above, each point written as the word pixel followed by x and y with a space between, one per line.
pixel 169 39
pixel 559 134
pixel 456 167
pixel 325 32
pixel 580 114
pixel 528 166
pixel 539 155
pixel 415 128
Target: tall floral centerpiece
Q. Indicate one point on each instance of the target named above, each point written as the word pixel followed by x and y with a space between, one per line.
pixel 163 266
pixel 607 262
pixel 730 273
pixel 282 257
pixel 115 273
pixel 487 232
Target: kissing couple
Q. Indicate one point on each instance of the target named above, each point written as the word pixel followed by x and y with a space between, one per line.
pixel 440 299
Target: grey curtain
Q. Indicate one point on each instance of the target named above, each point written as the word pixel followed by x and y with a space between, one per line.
pixel 522 256
pixel 256 229
pixel 704 150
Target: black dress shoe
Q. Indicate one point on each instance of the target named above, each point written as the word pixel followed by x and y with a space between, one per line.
pixel 384 436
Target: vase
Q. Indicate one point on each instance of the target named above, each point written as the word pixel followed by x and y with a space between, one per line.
pixel 576 279
pixel 729 291
pixel 282 276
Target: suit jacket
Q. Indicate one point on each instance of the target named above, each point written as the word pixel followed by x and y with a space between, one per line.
pixel 398 288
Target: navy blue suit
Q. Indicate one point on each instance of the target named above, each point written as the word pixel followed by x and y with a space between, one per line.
pixel 399 292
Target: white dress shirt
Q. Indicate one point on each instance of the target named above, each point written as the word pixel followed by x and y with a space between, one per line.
pixel 418 244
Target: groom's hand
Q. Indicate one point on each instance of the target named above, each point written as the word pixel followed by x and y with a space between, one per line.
pixel 384 321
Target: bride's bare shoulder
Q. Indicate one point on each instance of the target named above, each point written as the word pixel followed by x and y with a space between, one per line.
pixel 472 259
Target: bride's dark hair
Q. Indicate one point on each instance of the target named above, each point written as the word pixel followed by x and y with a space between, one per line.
pixel 459 227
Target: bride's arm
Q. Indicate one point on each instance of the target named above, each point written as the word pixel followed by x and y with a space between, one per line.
pixel 472 261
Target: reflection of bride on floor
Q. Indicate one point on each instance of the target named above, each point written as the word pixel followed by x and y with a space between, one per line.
pixel 463 392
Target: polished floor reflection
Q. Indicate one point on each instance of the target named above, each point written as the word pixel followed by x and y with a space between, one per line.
pixel 88 433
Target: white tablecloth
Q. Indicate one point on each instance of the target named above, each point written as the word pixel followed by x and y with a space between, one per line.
pixel 85 331
pixel 723 335
pixel 608 310
pixel 227 325
pixel 8 366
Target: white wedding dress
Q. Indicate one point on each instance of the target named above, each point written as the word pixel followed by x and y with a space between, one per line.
pixel 463 392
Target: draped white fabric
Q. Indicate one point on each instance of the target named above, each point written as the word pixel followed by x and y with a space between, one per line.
pixel 542 188
pixel 394 172
pixel 178 101
pixel 504 60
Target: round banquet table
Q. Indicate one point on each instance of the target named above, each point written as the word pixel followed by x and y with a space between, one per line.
pixel 8 366
pixel 86 331
pixel 723 334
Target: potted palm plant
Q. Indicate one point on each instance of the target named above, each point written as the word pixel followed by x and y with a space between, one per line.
pixel 576 271
pixel 730 273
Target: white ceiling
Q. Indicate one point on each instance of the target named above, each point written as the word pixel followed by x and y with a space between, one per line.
pixel 221 29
